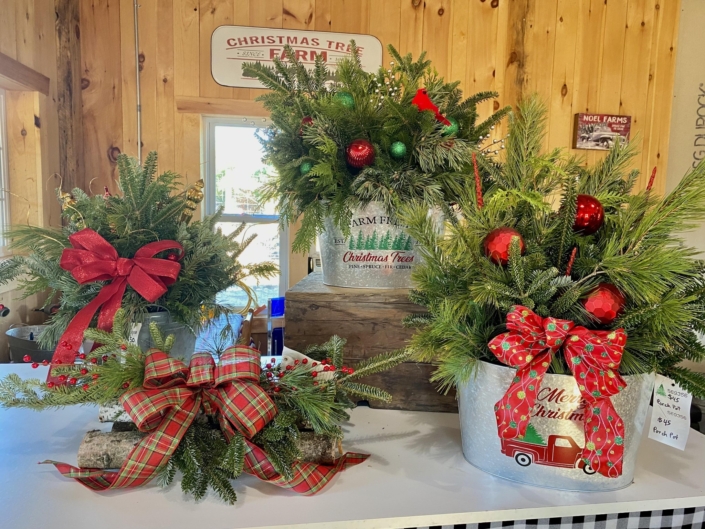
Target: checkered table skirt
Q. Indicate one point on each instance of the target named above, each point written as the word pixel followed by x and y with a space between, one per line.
pixel 691 518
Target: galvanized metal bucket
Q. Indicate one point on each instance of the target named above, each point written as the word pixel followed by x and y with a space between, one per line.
pixel 557 430
pixel 378 253
pixel 23 341
pixel 184 339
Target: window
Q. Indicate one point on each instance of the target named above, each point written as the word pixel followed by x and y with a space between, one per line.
pixel 4 210
pixel 234 171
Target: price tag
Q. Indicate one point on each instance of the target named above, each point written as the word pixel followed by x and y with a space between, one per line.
pixel 134 333
pixel 670 420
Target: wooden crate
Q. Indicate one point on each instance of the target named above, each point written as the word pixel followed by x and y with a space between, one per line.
pixel 371 322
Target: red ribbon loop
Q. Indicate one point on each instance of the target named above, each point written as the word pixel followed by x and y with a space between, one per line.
pixel 593 357
pixel 91 259
pixel 166 405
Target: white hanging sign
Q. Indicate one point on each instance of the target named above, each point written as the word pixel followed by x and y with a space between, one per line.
pixel 231 46
pixel 670 420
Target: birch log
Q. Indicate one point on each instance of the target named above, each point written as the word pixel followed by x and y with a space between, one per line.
pixel 110 449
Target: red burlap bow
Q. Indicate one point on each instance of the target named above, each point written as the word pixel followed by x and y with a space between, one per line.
pixel 593 357
pixel 92 258
pixel 172 395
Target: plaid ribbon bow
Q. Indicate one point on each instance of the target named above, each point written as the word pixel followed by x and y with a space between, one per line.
pixel 172 395
pixel 593 357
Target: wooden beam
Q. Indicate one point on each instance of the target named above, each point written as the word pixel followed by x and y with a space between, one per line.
pixel 222 107
pixel 68 93
pixel 16 76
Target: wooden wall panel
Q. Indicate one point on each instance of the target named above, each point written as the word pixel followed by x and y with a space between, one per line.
pixel 101 45
pixel 614 56
pixel 34 34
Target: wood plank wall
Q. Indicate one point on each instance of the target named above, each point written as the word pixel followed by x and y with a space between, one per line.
pixel 607 56
pixel 28 35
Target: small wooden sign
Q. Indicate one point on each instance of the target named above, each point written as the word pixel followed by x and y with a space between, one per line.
pixel 599 132
pixel 231 46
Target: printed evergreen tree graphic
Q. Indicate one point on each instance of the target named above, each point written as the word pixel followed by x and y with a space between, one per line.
pixel 407 246
pixel 398 242
pixel 373 241
pixel 360 241
pixel 661 391
pixel 352 242
pixel 532 436
pixel 384 241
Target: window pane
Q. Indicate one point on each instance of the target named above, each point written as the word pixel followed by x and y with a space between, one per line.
pixel 239 171
pixel 265 247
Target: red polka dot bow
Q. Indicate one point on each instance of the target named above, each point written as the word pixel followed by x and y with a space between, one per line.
pixel 593 357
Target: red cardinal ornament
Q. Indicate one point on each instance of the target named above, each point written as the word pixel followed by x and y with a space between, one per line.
pixel 589 215
pixel 605 302
pixel 307 121
pixel 497 244
pixel 423 102
pixel 360 153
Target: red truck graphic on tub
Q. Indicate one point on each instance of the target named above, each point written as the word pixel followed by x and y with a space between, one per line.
pixel 559 451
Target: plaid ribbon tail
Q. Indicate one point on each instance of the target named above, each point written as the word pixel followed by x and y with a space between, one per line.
pixel 309 478
pixel 93 479
pixel 145 459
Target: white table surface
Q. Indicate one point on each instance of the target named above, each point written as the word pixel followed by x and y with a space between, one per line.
pixel 416 476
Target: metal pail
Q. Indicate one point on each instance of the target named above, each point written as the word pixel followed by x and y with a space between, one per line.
pixel 548 456
pixel 378 253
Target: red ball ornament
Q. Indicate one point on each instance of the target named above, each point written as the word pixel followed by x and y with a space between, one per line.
pixel 605 302
pixel 589 215
pixel 497 244
pixel 360 153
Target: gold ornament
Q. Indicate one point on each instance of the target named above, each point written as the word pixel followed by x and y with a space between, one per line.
pixel 194 196
pixel 187 213
pixel 195 193
pixel 67 200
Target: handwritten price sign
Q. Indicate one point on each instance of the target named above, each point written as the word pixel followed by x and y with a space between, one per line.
pixel 670 420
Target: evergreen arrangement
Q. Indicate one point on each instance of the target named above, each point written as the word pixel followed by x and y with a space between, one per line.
pixel 635 257
pixel 415 133
pixel 150 208
pixel 206 456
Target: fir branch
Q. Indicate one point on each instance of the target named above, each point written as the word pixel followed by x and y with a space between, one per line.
pixel 692 381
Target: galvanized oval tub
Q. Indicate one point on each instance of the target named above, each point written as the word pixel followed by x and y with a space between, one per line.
pixel 378 253
pixel 555 437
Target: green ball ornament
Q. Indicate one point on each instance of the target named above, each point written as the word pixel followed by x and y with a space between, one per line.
pixel 397 150
pixel 453 128
pixel 346 99
pixel 305 168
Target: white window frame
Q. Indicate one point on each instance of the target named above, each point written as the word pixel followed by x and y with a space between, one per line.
pixel 210 123
pixel 4 172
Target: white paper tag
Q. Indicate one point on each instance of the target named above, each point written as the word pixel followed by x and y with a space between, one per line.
pixel 134 333
pixel 670 420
